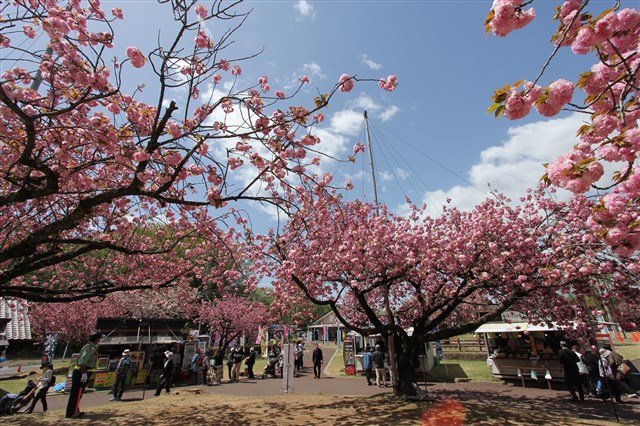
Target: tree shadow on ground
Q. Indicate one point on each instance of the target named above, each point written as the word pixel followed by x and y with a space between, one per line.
pixel 447 407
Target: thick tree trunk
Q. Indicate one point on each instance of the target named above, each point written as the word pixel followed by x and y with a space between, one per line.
pixel 406 353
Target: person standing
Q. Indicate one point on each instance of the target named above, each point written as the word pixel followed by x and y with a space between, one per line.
pixel 85 365
pixel 367 363
pixel 238 356
pixel 251 360
pixel 44 383
pixel 206 360
pixel 122 370
pixel 167 374
pixel 591 359
pixel 230 362
pixel 569 361
pixel 607 376
pixel 218 365
pixel 316 358
pixel 196 365
pixel 378 363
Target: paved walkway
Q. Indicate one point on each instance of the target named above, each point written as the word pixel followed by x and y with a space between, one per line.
pixel 304 383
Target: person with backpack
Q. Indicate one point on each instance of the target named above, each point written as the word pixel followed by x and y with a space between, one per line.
pixel 122 370
pixel 44 383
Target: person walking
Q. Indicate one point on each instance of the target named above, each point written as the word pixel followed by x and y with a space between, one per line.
pixel 44 383
pixel 569 361
pixel 316 358
pixel 85 366
pixel 218 365
pixel 378 363
pixel 167 374
pixel 251 360
pixel 122 370
pixel 367 363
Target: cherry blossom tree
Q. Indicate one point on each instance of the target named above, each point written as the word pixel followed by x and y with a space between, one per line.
pixel 610 106
pixel 232 317
pixel 446 276
pixel 109 185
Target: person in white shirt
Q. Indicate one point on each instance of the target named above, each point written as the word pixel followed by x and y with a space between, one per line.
pixel 44 382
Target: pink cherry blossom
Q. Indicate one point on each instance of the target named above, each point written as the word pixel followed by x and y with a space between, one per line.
pixel 201 11
pixel 346 83
pixel 137 58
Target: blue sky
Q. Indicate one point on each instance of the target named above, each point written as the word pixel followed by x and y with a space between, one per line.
pixel 444 144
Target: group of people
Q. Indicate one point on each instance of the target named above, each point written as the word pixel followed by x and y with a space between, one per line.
pixel 374 358
pixel 600 372
pixel 201 365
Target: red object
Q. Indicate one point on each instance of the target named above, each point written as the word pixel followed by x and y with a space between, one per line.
pixel 620 337
pixel 350 370
pixel 19 369
pixel 634 337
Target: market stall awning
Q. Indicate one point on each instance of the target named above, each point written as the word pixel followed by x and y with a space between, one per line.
pixel 502 327
pixel 144 340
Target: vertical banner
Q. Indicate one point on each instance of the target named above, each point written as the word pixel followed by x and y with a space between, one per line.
pixel 50 343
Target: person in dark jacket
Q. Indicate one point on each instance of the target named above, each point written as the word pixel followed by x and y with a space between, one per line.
pixel 591 359
pixel 569 361
pixel 316 357
pixel 218 365
pixel 378 363
pixel 250 361
pixel 167 374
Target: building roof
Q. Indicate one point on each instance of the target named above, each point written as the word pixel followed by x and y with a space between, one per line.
pixel 19 326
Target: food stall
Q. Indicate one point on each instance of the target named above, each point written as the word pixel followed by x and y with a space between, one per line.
pixel 426 357
pixel 143 338
pixel 520 349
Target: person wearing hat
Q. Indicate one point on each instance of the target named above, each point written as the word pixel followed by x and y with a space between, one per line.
pixel 167 374
pixel 85 365
pixel 122 370
pixel 44 382
pixel 569 361
pixel 607 375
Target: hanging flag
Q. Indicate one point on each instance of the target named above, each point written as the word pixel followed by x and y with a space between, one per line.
pixel 259 338
pixel 50 343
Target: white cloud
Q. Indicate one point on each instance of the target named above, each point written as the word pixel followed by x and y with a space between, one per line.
pixel 513 166
pixel 389 113
pixel 365 60
pixel 305 9
pixel 313 70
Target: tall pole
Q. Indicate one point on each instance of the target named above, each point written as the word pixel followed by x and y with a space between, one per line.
pixel 373 173
pixel 393 364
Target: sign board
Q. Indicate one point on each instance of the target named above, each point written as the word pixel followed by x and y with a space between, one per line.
pixel 189 352
pixel 514 316
pixel 348 353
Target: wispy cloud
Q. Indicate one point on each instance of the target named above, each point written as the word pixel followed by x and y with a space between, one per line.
pixel 365 60
pixel 305 9
pixel 513 166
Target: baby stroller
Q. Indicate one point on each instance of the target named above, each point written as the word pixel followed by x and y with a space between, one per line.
pixel 12 403
pixel 270 368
